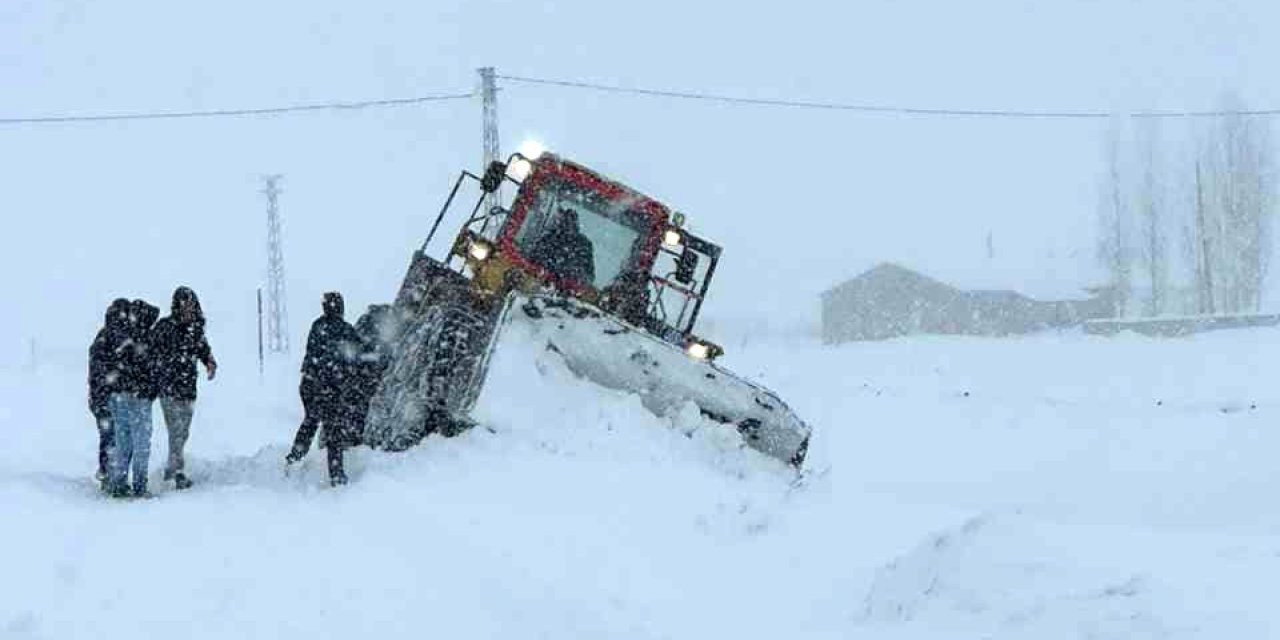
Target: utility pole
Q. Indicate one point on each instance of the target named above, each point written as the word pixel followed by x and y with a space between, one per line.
pixel 277 313
pixel 489 112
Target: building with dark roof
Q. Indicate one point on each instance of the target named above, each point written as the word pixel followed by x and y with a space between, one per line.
pixel 890 300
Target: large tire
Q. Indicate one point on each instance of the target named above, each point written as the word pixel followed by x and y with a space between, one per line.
pixel 452 377
pixel 432 379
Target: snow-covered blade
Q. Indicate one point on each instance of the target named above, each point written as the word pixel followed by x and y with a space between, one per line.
pixel 613 354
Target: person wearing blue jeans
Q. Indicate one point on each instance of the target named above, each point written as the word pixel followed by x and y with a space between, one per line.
pixel 104 372
pixel 131 451
pixel 130 402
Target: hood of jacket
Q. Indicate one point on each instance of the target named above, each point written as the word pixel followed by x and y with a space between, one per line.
pixel 186 298
pixel 143 314
pixel 117 316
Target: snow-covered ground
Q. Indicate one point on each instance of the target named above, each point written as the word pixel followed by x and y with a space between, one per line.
pixel 1056 486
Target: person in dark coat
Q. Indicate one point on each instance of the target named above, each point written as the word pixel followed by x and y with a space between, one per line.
pixel 565 251
pixel 104 372
pixel 130 403
pixel 177 343
pixel 328 370
pixel 372 361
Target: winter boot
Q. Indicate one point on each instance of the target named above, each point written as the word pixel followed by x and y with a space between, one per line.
pixel 181 481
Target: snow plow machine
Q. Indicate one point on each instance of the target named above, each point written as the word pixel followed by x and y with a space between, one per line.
pixel 610 278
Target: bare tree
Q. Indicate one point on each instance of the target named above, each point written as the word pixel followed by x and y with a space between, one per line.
pixel 1238 206
pixel 1202 250
pixel 1113 212
pixel 1151 203
pixel 1223 205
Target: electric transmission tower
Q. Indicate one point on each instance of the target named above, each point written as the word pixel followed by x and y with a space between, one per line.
pixel 489 102
pixel 277 313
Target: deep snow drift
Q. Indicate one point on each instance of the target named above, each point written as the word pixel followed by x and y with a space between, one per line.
pixel 1057 486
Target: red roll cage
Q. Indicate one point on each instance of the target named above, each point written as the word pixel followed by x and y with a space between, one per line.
pixel 552 168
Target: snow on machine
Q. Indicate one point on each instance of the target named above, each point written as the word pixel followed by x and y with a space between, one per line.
pixel 608 277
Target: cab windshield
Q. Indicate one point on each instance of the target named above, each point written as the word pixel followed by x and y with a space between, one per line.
pixel 579 235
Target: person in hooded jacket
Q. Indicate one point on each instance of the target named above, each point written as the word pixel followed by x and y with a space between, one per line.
pixel 130 403
pixel 328 370
pixel 177 342
pixel 104 374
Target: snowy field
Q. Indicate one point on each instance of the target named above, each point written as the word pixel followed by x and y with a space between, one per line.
pixel 1057 486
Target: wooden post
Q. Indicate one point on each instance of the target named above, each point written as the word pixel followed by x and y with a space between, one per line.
pixel 260 358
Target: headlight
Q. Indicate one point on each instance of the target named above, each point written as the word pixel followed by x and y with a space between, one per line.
pixel 672 238
pixel 531 149
pixel 480 250
pixel 519 169
pixel 698 350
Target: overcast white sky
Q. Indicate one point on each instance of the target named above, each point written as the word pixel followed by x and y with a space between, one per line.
pixel 800 199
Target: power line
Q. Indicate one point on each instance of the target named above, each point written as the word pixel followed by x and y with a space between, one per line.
pixel 224 113
pixel 882 109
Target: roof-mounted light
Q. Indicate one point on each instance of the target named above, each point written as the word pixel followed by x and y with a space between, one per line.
pixel 519 168
pixel 531 149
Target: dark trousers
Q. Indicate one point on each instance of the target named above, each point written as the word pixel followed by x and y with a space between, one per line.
pixel 306 433
pixel 106 435
pixel 326 414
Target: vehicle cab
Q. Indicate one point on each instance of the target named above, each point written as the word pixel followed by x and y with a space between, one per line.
pixel 572 230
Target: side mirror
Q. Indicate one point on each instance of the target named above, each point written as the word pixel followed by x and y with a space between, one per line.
pixel 686 266
pixel 493 177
